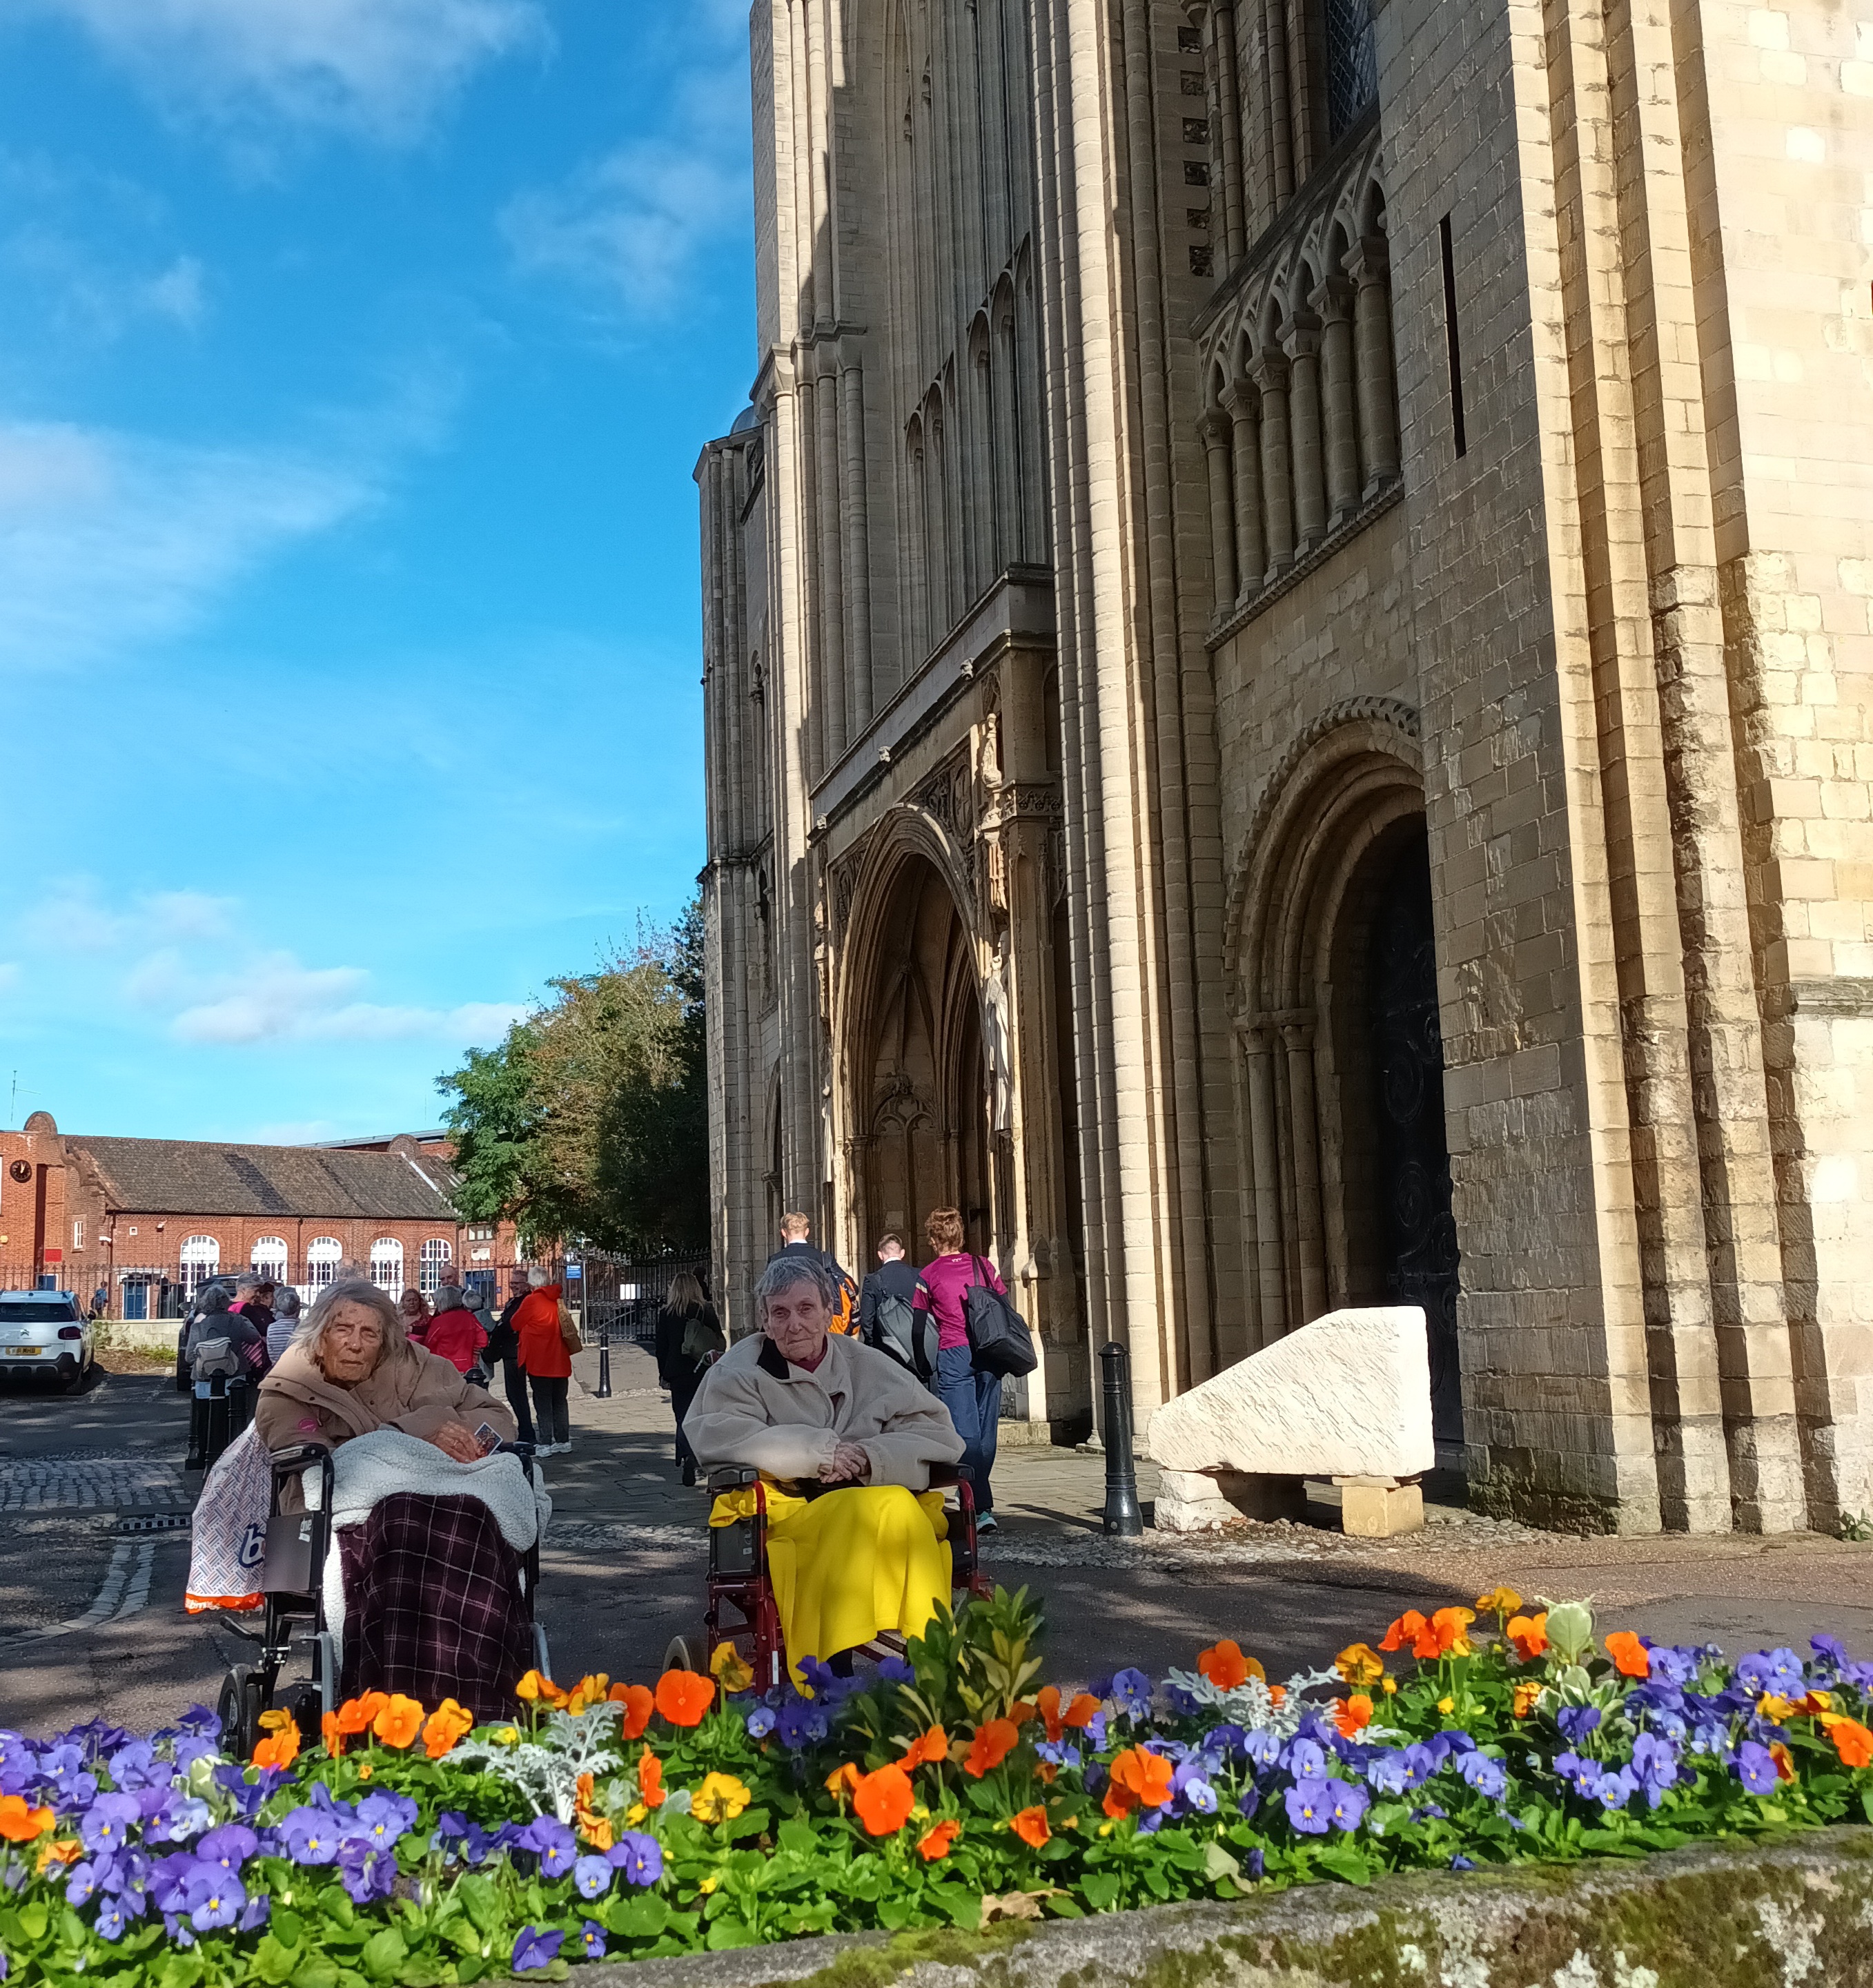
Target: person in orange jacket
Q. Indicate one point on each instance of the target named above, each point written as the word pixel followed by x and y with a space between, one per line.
pixel 546 1362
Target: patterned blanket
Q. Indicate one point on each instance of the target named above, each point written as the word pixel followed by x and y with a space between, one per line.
pixel 435 1605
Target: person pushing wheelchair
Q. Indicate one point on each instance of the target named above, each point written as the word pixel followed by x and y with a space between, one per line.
pixel 845 1439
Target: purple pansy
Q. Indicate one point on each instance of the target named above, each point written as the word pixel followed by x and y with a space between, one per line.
pixel 1778 1670
pixel 1485 1773
pixel 213 1898
pixel 367 1871
pixel 640 1857
pixel 591 1940
pixel 311 1835
pixel 534 1949
pixel 591 1877
pixel 384 1817
pixel 556 1846
pixel 1348 1803
pixel 1576 1722
pixel 1132 1692
pixel 1310 1806
pixel 761 1721
pixel 230 1846
pixel 1756 1768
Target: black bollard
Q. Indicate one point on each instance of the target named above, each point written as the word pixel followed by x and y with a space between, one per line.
pixel 1123 1518
pixel 604 1393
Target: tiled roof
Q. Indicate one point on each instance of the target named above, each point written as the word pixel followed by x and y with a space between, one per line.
pixel 198 1177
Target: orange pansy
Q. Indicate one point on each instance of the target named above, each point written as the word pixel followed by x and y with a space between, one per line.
pixel 1046 1702
pixel 589 1691
pixel 638 1701
pixel 1449 1626
pixel 399 1722
pixel 1529 1635
pixel 1528 1695
pixel 1411 1631
pixel 684 1696
pixel 355 1716
pixel 1785 1760
pixel 19 1823
pixel 1030 1826
pixel 1226 1667
pixel 279 1749
pixel 1359 1664
pixel 67 1851
pixel 882 1801
pixel 843 1779
pixel 936 1840
pixel 1629 1654
pixel 1352 1714
pixel 1080 1714
pixel 448 1723
pixel 991 1745
pixel 930 1749
pixel 333 1734
pixel 1140 1779
pixel 650 1779
pixel 1852 1741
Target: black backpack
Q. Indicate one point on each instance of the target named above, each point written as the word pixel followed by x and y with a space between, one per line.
pixel 999 1340
pixel 899 1329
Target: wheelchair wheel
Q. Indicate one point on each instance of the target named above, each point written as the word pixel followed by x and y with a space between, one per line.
pixel 678 1657
pixel 242 1701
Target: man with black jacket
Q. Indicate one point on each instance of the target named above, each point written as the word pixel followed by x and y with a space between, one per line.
pixel 887 1317
pixel 796 1235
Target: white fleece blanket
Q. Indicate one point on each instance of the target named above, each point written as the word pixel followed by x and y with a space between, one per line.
pixel 386 1463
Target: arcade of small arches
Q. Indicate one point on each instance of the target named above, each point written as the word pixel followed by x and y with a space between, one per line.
pixel 1300 422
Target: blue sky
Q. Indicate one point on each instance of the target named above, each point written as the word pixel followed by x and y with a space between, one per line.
pixel 354 359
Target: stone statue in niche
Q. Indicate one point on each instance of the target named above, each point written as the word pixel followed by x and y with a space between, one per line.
pixel 991 762
pixel 996 1039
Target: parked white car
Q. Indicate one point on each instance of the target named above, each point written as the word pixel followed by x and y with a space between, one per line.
pixel 46 1332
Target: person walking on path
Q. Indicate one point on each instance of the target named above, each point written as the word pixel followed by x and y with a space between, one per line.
pixel 503 1345
pixel 796 1240
pixel 544 1353
pixel 689 1336
pixel 888 1317
pixel 455 1334
pixel 973 1397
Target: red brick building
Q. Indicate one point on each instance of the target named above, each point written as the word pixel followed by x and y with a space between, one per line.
pixel 148 1221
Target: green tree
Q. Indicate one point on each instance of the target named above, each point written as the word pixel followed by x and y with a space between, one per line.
pixel 590 1121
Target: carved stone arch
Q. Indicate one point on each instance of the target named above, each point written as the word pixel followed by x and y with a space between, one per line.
pixel 1371 212
pixel 1001 305
pixel 1331 961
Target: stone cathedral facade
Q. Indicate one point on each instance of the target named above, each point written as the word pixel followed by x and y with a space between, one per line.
pixel 1290 705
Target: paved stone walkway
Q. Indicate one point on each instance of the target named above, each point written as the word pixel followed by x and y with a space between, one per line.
pixel 89 1481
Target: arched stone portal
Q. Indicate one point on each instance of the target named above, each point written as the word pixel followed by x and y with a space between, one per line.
pixel 920 1105
pixel 1341 1072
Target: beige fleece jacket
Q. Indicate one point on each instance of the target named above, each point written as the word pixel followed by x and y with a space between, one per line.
pixel 755 1409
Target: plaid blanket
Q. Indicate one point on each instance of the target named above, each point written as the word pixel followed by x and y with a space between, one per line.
pixel 434 1605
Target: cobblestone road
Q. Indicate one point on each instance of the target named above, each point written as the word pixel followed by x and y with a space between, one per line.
pixel 89 1481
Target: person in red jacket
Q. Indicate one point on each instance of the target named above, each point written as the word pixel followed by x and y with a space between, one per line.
pixel 455 1333
pixel 547 1364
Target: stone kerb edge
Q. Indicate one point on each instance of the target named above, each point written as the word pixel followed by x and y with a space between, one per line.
pixel 1776 1915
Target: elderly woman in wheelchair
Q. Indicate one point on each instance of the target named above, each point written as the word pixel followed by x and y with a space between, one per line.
pixel 846 1443
pixel 418 1561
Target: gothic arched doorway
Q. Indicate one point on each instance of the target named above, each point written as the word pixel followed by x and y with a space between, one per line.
pixel 919 1107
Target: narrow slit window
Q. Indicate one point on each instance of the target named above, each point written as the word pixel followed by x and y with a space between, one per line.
pixel 1450 337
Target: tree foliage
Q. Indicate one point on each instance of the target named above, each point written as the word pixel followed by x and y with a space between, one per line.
pixel 590 1121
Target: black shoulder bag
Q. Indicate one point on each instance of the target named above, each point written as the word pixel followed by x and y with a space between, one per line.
pixel 999 1340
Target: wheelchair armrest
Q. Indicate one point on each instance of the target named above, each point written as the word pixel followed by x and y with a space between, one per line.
pixel 731 1477
pixel 942 1476
pixel 297 1457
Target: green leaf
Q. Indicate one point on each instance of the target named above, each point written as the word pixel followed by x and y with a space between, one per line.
pixel 316 1973
pixel 798 1838
pixel 643 1917
pixel 1344 1862
pixel 1102 1889
pixel 894 1914
pixel 287 1928
pixel 273 1961
pixel 1218 1865
pixel 384 1952
pixel 180 1970
pixel 727 1933
pixel 481 1900
pixel 960 1905
pixel 1866 1802
pixel 34 1919
pixel 749 1822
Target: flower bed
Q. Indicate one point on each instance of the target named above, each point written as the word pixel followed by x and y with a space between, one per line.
pixel 401 1846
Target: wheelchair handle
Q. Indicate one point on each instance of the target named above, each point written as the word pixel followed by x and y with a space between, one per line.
pixel 732 1477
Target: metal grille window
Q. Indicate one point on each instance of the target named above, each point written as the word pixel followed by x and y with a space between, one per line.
pixel 1352 64
pixel 323 1255
pixel 387 1265
pixel 201 1257
pixel 269 1257
pixel 432 1261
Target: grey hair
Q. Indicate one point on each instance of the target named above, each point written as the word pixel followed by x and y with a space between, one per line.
pixel 782 1274
pixel 358 1291
pixel 287 1305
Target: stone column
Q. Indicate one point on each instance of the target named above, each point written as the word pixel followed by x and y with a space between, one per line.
pixel 1269 373
pixel 1258 1053
pixel 858 546
pixel 1297 1040
pixel 1301 340
pixel 811 710
pixel 1251 553
pixel 1216 430
pixel 1235 234
pixel 1334 301
pixel 917 644
pixel 1369 266
pixel 832 615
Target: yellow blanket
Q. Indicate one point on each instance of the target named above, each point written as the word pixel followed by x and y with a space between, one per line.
pixel 851 1564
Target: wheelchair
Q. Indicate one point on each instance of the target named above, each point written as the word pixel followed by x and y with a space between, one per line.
pixel 292 1583
pixel 741 1608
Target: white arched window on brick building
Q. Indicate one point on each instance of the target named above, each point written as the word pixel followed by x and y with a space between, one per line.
pixel 432 1264
pixel 269 1257
pixel 387 1265
pixel 323 1255
pixel 201 1257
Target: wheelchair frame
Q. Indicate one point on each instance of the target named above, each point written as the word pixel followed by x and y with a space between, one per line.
pixel 739 1580
pixel 292 1581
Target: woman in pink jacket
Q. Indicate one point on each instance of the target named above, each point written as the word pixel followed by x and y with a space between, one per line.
pixel 547 1364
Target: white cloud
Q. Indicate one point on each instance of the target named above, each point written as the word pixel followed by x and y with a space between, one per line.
pixel 379 68
pixel 109 541
pixel 276 999
pixel 631 226
pixel 72 918
pixel 176 293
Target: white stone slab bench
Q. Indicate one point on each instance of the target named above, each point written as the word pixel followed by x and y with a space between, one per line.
pixel 1347 1398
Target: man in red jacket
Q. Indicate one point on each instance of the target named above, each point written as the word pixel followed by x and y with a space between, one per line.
pixel 546 1362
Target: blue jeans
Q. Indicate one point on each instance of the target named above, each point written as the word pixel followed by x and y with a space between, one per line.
pixel 975 1402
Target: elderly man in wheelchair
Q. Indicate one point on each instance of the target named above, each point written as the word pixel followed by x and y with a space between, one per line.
pixel 843 1444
